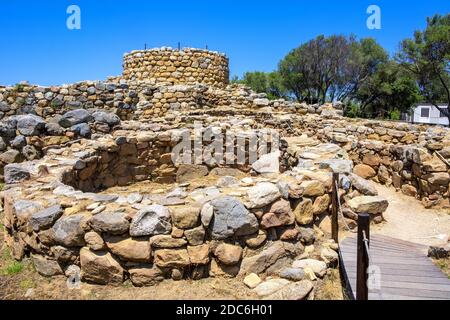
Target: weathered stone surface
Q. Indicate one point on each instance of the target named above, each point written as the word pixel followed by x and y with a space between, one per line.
pixel 263 194
pixel 292 274
pixel 231 218
pixel 271 286
pixel 362 185
pixel 199 255
pixel 45 266
pixel 15 173
pixel 10 156
pixel 106 117
pixel 268 163
pixel 252 280
pixel 129 249
pixel 256 240
pixel 45 218
pixel 74 117
pixel 167 242
pixel 260 262
pixel 303 211
pixel 151 220
pixel 100 267
pixel 364 171
pixel 228 254
pixel 319 267
pixel 172 258
pixel 438 178
pixel 30 125
pixel 321 204
pixel 185 217
pixel 114 223
pixel 146 276
pixel 187 172
pixel 312 188
pixel 195 236
pixel 294 291
pixel 68 230
pixel 368 204
pixel 94 241
pixel 280 214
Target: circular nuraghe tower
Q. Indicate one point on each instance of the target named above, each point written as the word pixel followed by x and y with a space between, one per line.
pixel 186 66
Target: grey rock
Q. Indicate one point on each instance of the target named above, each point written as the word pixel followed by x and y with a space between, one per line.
pixel 106 117
pixel 231 218
pixel 151 220
pixel 19 142
pixel 293 274
pixel 2 144
pixel 7 130
pixel 263 194
pixel 4 107
pixel 30 152
pixel 362 185
pixel 54 129
pixel 69 230
pixel 111 222
pixel 82 129
pixel 45 266
pixel 337 165
pixel 14 173
pixel 74 117
pixel 30 125
pixel 10 156
pixel 293 291
pixel 45 218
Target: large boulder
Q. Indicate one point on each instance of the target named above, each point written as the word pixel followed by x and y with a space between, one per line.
pixel 30 125
pixel 100 267
pixel 368 204
pixel 106 117
pixel 68 230
pixel 14 173
pixel 74 117
pixel 187 172
pixel 280 214
pixel 364 171
pixel 228 254
pixel 114 223
pixel 10 156
pixel 293 291
pixel 45 266
pixel 263 194
pixel 129 249
pixel 172 258
pixel 268 163
pixel 151 220
pixel 231 218
pixel 364 186
pixel 45 218
pixel 269 256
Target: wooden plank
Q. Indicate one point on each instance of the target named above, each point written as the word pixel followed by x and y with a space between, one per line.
pixel 406 271
pixel 397 272
pixel 413 285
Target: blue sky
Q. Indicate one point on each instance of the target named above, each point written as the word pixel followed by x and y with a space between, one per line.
pixel 37 46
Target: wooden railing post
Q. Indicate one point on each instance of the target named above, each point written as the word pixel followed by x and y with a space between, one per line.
pixel 362 289
pixel 334 208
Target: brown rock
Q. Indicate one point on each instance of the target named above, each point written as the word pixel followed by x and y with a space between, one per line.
pixel 94 241
pixel 312 188
pixel 172 258
pixel 167 242
pixel 146 276
pixel 364 171
pixel 186 217
pixel 280 214
pixel 321 204
pixel 199 255
pixel 129 249
pixel 228 254
pixel 187 172
pixel 372 160
pixel 100 267
pixel 304 211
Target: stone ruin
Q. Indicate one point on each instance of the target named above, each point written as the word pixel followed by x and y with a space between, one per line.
pixel 92 192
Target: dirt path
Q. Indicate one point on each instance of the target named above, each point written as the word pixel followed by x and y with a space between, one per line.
pixel 407 219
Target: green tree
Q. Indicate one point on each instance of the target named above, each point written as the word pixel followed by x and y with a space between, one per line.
pixel 427 57
pixel 268 83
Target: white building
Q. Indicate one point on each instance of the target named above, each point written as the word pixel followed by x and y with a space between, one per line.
pixel 427 113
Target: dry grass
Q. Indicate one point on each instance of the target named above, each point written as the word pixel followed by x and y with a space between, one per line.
pixel 330 288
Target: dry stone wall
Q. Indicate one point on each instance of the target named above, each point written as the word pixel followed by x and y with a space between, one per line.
pixel 177 66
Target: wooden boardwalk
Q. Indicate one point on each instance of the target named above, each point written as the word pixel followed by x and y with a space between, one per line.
pixel 406 273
